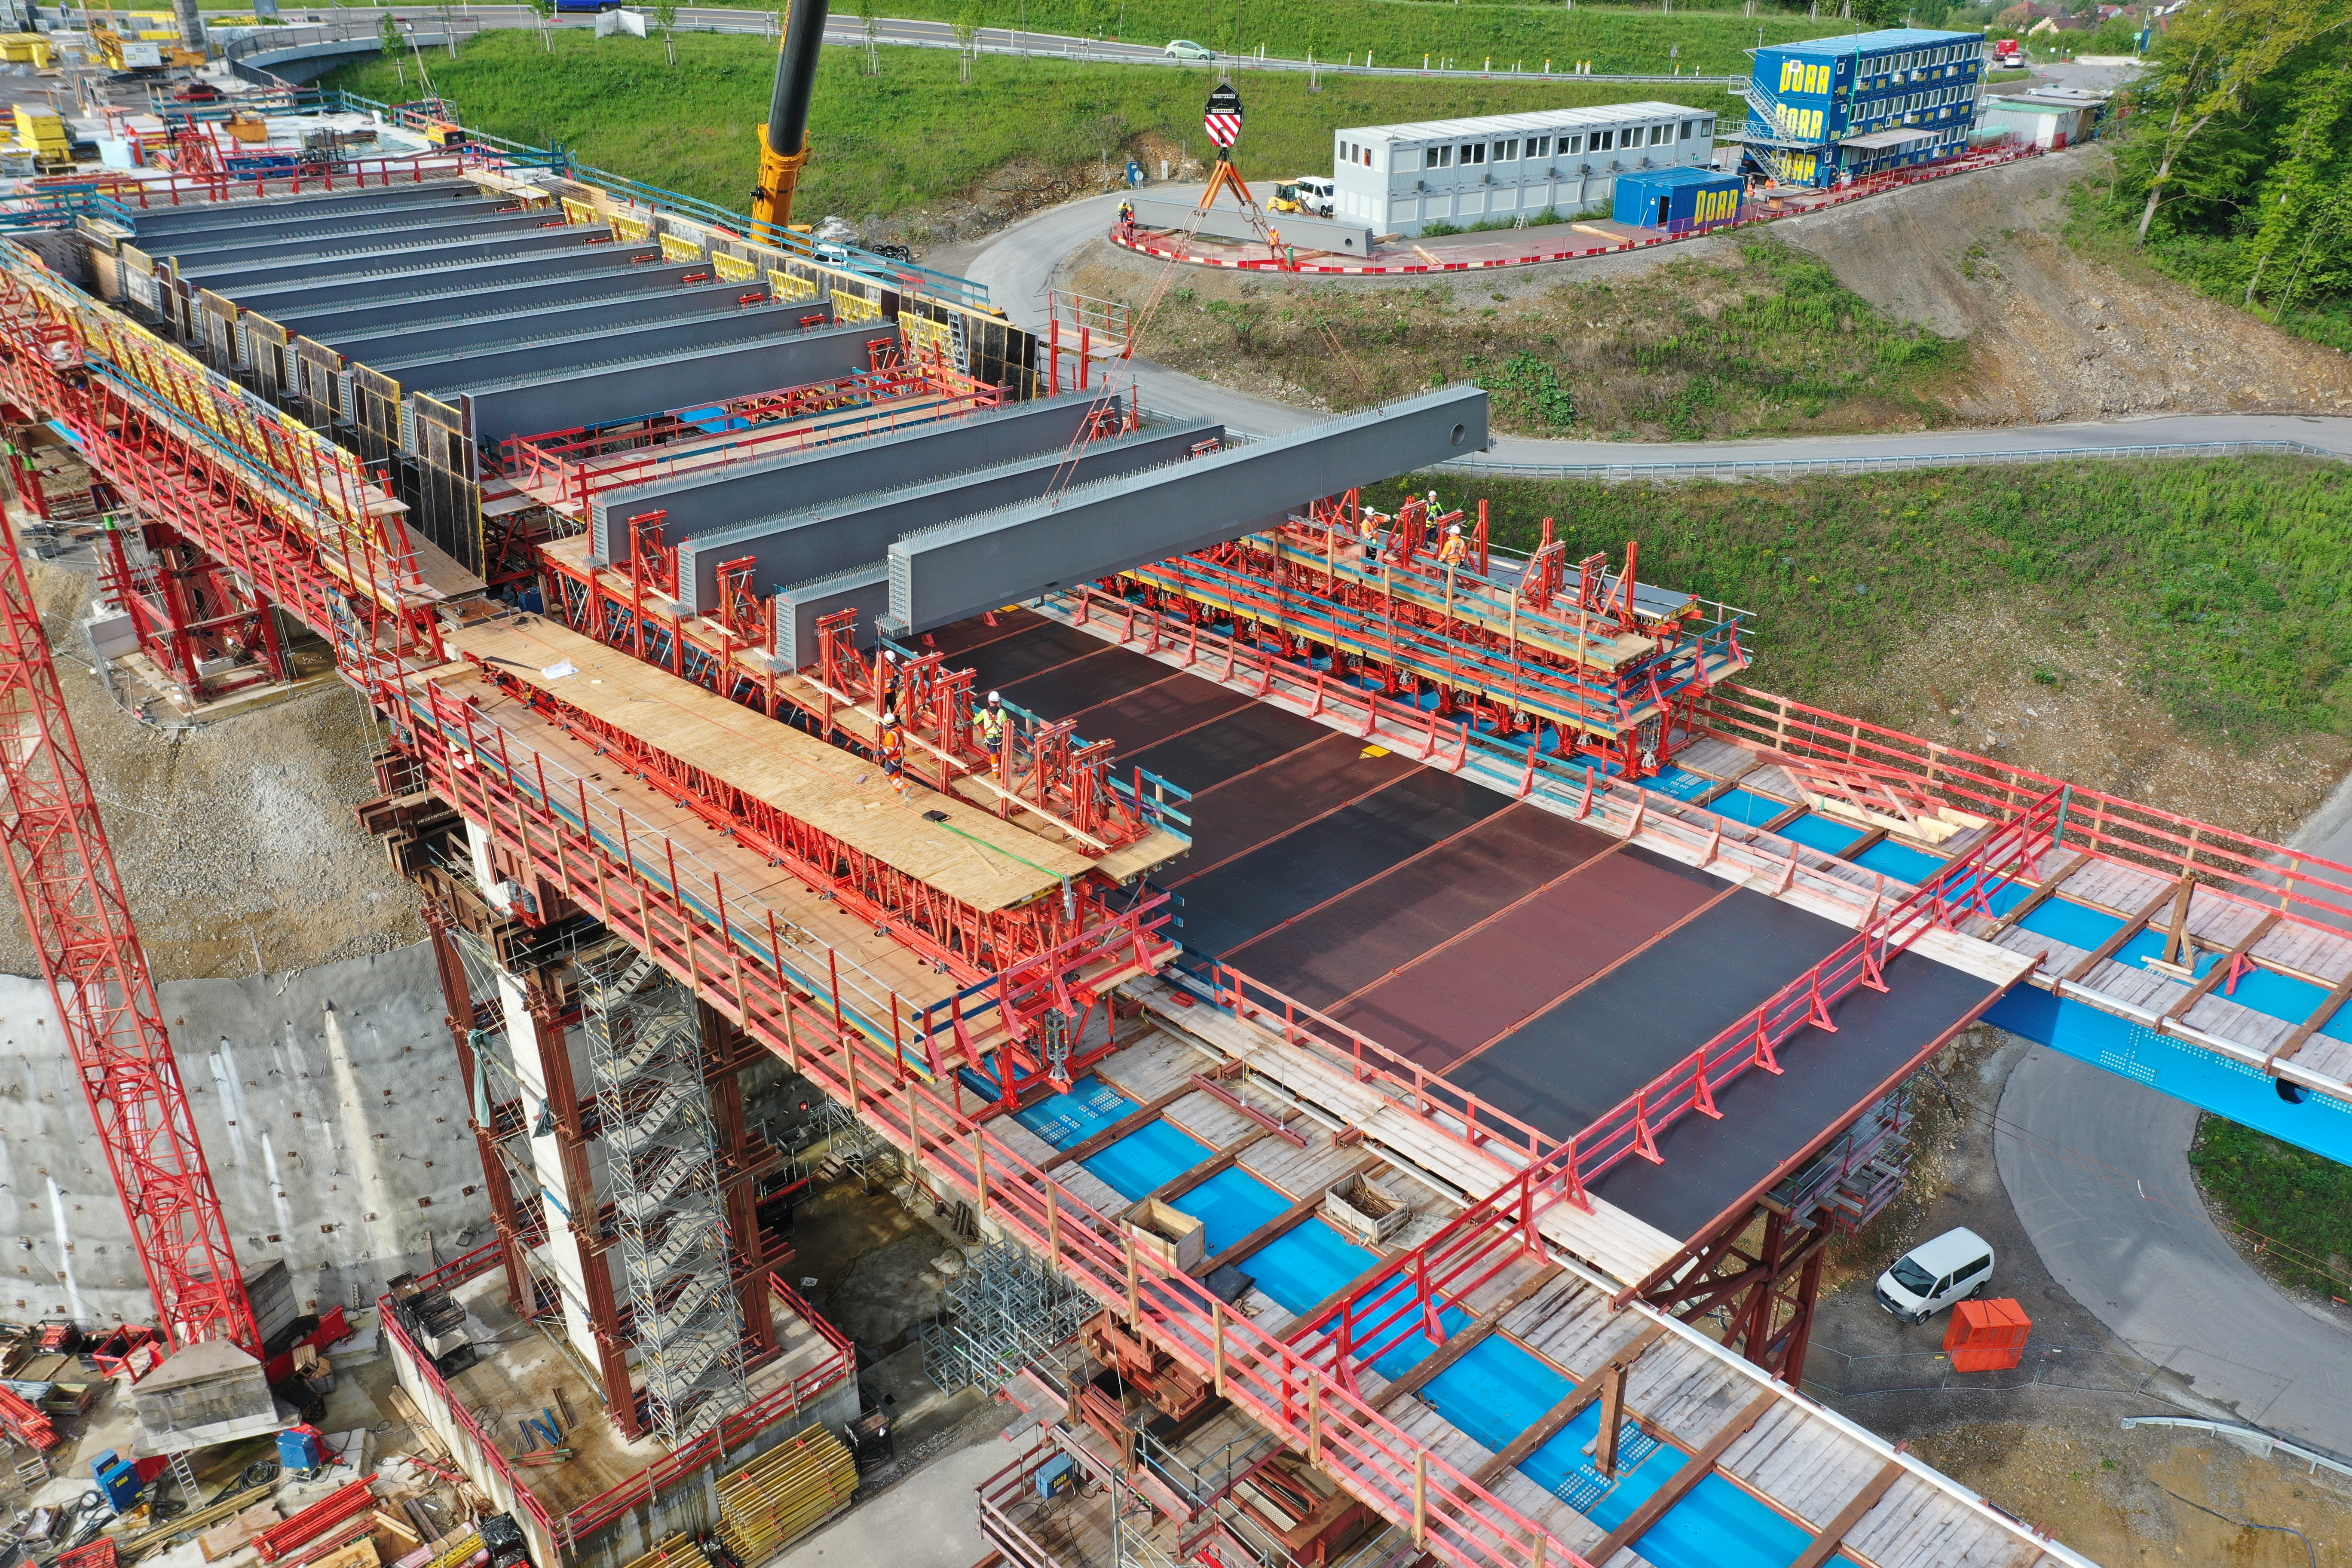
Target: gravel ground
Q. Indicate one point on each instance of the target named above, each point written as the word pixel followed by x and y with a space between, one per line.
pixel 236 841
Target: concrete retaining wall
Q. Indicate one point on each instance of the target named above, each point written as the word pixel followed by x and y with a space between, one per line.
pixel 332 1115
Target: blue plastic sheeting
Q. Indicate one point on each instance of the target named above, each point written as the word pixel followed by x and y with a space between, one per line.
pixel 1147 1158
pixel 2280 996
pixel 1063 1120
pixel 1745 805
pixel 2178 1067
pixel 1495 1391
pixel 1716 1525
pixel 1822 833
pixel 1232 1204
pixel 1679 782
pixel 1899 861
pixel 1302 1267
pixel 2073 923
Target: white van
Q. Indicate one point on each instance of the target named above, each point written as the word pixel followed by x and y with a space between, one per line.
pixel 1934 1274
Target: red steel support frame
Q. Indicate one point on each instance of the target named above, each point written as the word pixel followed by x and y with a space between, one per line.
pixel 79 918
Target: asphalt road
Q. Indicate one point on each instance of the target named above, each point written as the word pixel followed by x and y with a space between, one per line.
pixel 1018 265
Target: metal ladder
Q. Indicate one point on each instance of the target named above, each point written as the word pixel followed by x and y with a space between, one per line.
pixel 185 1475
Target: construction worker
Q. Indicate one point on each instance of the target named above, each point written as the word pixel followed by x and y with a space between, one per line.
pixel 1368 530
pixel 890 750
pixel 888 678
pixel 1450 555
pixel 1126 214
pixel 988 725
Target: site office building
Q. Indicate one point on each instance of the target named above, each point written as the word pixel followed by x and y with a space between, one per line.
pixel 1399 179
pixel 1828 108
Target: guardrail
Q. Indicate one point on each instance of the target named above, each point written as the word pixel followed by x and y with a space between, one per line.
pixel 591 1515
pixel 1770 468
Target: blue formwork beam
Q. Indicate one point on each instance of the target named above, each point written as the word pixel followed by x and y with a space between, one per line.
pixel 2203 1076
pixel 697 503
pixel 961 568
pixel 816 542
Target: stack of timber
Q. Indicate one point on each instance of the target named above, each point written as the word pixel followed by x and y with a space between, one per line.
pixel 786 1493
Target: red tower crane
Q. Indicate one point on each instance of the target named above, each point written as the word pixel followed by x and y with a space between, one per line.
pixel 80 919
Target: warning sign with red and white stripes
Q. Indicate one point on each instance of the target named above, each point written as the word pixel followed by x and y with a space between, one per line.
pixel 1222 118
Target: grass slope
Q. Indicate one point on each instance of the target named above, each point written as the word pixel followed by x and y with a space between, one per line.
pixel 1400 32
pixel 1765 340
pixel 914 133
pixel 2228 577
pixel 2301 1201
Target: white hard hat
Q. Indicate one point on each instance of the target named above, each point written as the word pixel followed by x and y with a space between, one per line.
pixel 993 696
pixel 1456 530
pixel 1433 494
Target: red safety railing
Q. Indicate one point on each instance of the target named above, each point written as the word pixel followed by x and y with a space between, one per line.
pixel 1403 1082
pixel 580 466
pixel 2303 886
pixel 1493 1234
pixel 175 190
pixel 587 1518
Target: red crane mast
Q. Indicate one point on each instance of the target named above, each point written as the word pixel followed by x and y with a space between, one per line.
pixel 80 919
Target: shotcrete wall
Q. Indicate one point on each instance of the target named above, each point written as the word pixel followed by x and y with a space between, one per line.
pixel 331 1113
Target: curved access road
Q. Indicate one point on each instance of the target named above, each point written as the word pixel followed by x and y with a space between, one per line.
pixel 1018 266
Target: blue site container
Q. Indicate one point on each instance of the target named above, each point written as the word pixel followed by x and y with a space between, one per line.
pixel 1676 198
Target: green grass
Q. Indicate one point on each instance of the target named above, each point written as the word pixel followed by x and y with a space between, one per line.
pixel 914 133
pixel 2303 1201
pixel 1400 32
pixel 1764 339
pixel 2227 578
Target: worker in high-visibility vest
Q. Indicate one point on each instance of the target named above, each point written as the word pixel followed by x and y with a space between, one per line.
pixel 887 678
pixel 890 750
pixel 1451 554
pixel 988 725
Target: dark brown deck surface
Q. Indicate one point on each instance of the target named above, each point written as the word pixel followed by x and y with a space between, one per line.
pixel 1543 966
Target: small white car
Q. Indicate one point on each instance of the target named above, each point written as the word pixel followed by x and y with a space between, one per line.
pixel 1935 1275
pixel 1186 49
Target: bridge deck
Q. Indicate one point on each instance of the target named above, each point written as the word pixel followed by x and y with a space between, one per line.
pixel 1547 968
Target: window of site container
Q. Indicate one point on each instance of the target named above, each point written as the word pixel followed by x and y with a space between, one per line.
pixel 1441 157
pixel 1569 146
pixel 1603 140
pixel 1539 146
pixel 1473 152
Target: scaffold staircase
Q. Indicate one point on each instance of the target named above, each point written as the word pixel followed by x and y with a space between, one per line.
pixel 645 1054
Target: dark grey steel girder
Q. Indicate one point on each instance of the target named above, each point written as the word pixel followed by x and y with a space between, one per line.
pixel 505 365
pixel 158 220
pixel 323 265
pixel 337 289
pixel 961 568
pixel 697 503
pixel 217 248
pixel 632 389
pixel 437 307
pixel 814 541
pixel 866 589
pixel 259 229
pixel 474 335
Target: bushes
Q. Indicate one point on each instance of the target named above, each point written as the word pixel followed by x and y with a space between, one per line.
pixel 2301 1201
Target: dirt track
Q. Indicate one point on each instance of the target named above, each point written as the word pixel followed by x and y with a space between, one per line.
pixel 2056 335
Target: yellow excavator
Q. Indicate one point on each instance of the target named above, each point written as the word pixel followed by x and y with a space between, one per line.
pixel 783 139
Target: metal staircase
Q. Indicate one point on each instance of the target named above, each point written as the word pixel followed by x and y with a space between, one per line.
pixel 645 1053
